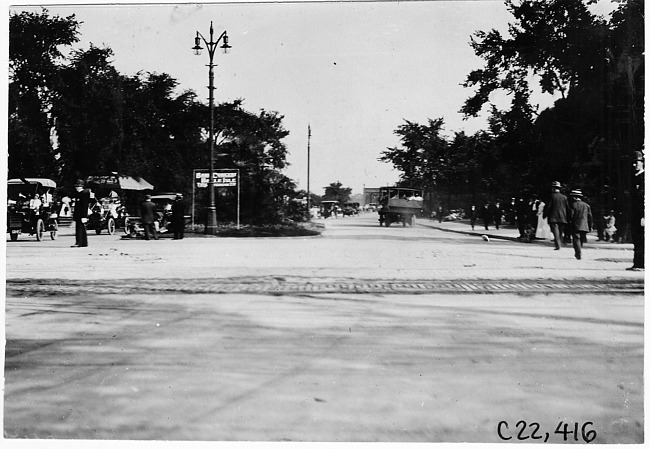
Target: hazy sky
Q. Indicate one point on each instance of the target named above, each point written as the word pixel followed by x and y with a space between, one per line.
pixel 352 70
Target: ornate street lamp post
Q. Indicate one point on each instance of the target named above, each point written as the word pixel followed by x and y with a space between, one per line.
pixel 211 223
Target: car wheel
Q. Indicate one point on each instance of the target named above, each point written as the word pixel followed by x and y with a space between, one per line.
pixel 40 229
pixel 111 226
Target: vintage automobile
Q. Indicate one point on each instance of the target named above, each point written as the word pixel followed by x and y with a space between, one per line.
pixel 109 211
pixel 329 207
pixel 31 208
pixel 163 201
pixel 399 204
pixel 350 209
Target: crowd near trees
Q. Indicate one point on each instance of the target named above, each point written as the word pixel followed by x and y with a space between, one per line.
pixel 595 68
pixel 74 115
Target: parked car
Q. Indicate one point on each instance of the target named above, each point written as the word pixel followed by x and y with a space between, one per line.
pixel 163 201
pixel 31 208
pixel 109 211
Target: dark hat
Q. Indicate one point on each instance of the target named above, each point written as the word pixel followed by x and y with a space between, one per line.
pixel 148 196
pixel 576 192
pixel 556 184
pixel 637 155
pixel 79 183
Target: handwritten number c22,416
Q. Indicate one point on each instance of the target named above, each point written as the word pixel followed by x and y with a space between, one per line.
pixel 523 431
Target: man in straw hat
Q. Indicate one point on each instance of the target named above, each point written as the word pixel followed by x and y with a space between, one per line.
pixel 557 212
pixel 581 221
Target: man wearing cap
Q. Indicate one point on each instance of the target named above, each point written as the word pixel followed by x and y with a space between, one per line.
pixel 581 221
pixel 80 214
pixel 148 213
pixel 557 211
pixel 178 217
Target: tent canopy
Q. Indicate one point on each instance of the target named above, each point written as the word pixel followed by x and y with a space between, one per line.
pixel 42 181
pixel 120 182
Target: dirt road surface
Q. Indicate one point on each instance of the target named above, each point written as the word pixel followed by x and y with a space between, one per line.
pixel 124 340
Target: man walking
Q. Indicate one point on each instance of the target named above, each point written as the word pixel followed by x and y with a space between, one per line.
pixel 178 217
pixel 497 214
pixel 486 214
pixel 472 216
pixel 148 213
pixel 581 221
pixel 557 211
pixel 80 214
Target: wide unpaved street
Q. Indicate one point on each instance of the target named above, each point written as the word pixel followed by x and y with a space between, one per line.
pixel 364 334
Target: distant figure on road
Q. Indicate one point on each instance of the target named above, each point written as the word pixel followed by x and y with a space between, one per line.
pixel 440 210
pixel 497 214
pixel 610 226
pixel 148 213
pixel 521 217
pixel 556 211
pixel 472 216
pixel 581 221
pixel 80 214
pixel 543 230
pixel 486 215
pixel 179 209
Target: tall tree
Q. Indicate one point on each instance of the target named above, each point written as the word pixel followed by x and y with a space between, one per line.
pixel 88 114
pixel 251 143
pixel 35 41
pixel 336 192
pixel 422 156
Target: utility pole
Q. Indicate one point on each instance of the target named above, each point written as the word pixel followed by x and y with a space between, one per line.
pixel 308 162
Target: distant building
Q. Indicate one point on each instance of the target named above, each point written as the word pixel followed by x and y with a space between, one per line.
pixel 370 195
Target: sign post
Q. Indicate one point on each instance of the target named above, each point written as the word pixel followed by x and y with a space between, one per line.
pixel 222 178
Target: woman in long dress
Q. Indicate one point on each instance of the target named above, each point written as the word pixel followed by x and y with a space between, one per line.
pixel 543 229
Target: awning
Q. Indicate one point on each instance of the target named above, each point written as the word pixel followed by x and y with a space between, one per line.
pixel 43 181
pixel 120 182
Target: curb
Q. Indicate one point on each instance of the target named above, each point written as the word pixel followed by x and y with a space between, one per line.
pixel 479 234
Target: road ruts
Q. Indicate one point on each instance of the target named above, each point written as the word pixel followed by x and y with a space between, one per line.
pixel 22 287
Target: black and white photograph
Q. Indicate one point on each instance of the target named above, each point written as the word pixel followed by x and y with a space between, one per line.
pixel 324 222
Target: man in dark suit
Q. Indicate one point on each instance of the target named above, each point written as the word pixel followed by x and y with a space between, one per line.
pixel 497 214
pixel 80 214
pixel 486 215
pixel 178 217
pixel 557 212
pixel 637 214
pixel 473 214
pixel 581 221
pixel 148 214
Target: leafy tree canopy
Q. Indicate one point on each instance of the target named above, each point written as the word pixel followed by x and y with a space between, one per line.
pixel 336 192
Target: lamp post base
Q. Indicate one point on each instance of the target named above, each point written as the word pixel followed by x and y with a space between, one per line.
pixel 211 222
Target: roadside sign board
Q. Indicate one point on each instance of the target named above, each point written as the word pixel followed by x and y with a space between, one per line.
pixel 221 177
